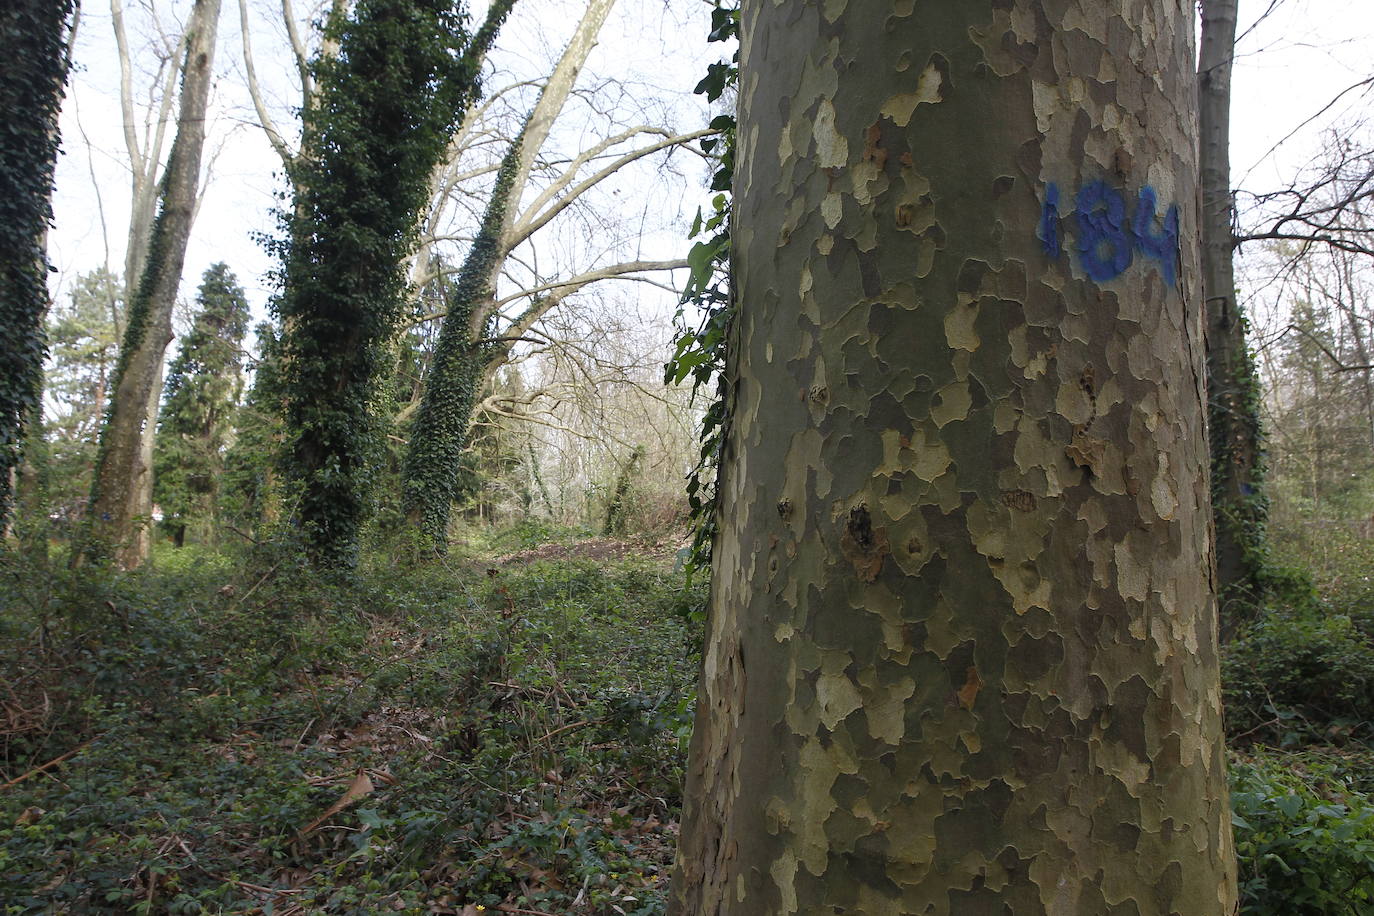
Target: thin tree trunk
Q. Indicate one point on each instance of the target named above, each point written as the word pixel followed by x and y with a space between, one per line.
pixel 145 531
pixel 961 655
pixel 119 504
pixel 615 510
pixel 1238 505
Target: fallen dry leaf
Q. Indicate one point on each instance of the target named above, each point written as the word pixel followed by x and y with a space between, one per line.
pixel 359 788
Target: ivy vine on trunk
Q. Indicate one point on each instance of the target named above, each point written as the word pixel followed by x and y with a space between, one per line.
pixel 404 73
pixel 456 375
pixel 33 77
pixel 701 348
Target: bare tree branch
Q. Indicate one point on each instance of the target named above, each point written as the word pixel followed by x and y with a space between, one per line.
pixel 530 224
pixel 255 91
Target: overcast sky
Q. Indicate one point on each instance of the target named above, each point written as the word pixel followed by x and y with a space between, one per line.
pixel 1288 68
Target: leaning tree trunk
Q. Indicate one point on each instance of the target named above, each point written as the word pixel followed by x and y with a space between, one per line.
pixel 961 655
pixel 464 360
pixel 1238 504
pixel 458 370
pixel 33 75
pixel 118 507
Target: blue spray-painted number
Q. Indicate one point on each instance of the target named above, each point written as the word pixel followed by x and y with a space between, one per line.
pixel 1049 221
pixel 1163 247
pixel 1107 240
pixel 1104 241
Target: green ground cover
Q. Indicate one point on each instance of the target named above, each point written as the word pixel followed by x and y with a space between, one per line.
pixel 504 732
pixel 249 739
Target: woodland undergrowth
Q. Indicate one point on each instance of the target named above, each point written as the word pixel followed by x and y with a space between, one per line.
pixel 505 731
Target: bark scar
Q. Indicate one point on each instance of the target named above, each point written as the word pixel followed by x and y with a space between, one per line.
pixel 863 545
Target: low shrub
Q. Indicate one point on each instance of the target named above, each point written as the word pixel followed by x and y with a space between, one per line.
pixel 1299 676
pixel 1304 835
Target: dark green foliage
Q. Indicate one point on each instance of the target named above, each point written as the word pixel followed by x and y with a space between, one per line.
pixel 405 72
pixel 433 464
pixel 1304 833
pixel 1303 670
pixel 524 733
pixel 1298 675
pixel 247 494
pixel 33 74
pixel 203 386
pixel 1298 687
pixel 701 352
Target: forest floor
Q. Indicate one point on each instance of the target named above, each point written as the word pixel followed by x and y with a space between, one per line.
pixel 503 733
pixel 506 732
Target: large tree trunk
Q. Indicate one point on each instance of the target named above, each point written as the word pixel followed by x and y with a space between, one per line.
pixel 33 74
pixel 119 502
pixel 961 655
pixel 1238 503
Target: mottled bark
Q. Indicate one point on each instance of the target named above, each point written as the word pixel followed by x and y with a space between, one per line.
pixel 120 501
pixel 961 656
pixel 1233 393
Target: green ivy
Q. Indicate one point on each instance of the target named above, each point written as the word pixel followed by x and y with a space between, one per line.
pixel 1305 838
pixel 618 507
pixel 404 74
pixel 1236 431
pixel 34 36
pixel 701 348
pixel 440 433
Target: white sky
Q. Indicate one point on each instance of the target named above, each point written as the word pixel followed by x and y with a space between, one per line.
pixel 1287 69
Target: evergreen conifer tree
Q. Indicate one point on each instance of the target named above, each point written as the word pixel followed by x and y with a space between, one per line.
pixel 203 386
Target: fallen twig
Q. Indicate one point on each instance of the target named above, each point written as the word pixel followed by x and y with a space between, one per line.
pixel 50 764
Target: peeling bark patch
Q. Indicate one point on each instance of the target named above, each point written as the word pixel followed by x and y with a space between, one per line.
pixel 969 692
pixel 928 91
pixel 1086 451
pixel 873 149
pixel 863 545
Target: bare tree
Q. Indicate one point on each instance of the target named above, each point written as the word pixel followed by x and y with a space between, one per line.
pixel 481 328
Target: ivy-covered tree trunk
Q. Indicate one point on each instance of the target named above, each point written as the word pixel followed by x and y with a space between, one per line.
pixel 620 494
pixel 387 102
pixel 1239 506
pixel 458 371
pixel 464 359
pixel 961 654
pixel 119 501
pixel 33 75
